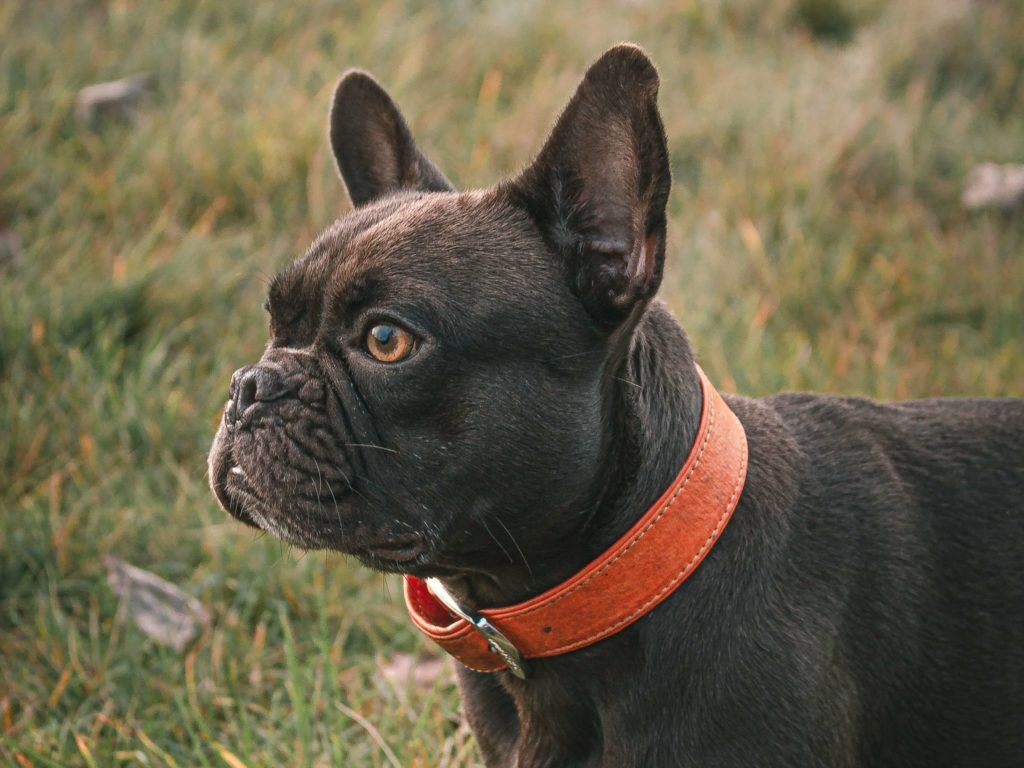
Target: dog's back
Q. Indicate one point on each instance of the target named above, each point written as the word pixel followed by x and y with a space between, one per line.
pixel 902 566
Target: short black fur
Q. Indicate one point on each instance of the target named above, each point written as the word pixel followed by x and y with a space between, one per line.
pixel 865 606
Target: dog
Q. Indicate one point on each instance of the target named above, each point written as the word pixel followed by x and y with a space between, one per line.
pixel 480 390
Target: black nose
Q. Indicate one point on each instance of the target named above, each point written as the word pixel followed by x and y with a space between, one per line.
pixel 254 384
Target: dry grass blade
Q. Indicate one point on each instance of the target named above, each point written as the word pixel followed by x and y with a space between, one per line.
pixel 371 731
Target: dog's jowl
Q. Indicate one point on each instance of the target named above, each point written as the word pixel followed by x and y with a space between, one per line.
pixel 481 391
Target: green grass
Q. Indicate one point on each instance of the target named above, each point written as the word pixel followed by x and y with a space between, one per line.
pixel 816 242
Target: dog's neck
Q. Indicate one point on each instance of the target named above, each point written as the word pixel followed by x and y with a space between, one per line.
pixel 653 399
pixel 655 405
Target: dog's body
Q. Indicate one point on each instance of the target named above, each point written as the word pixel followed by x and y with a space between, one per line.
pixel 863 608
pixel 480 387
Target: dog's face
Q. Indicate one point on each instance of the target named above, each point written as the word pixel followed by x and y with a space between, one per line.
pixel 435 392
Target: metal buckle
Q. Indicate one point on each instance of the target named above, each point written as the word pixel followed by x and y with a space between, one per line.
pixel 497 643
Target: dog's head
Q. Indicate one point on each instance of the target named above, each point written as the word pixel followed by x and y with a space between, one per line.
pixel 439 381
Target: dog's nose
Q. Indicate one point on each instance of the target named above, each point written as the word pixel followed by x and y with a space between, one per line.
pixel 254 384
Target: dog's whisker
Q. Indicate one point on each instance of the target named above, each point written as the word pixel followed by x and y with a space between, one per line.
pixel 370 445
pixel 320 483
pixel 627 381
pixel 595 351
pixel 501 546
pixel 350 484
pixel 337 509
pixel 515 543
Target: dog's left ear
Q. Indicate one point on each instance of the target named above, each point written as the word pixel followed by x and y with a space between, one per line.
pixel 372 145
pixel 599 187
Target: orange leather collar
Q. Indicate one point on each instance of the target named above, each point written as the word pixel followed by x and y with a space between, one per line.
pixel 640 570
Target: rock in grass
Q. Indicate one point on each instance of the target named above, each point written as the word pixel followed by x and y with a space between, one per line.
pixel 117 100
pixel 161 610
pixel 421 671
pixel 992 185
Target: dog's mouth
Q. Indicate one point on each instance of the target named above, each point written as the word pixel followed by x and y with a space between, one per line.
pixel 239 494
pixel 326 528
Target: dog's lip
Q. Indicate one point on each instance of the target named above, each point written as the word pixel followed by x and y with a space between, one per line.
pixel 396 552
pixel 398 549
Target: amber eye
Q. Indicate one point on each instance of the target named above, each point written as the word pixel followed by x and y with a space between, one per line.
pixel 389 343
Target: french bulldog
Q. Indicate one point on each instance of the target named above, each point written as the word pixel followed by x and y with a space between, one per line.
pixel 481 387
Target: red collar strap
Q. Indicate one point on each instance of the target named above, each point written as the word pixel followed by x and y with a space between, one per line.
pixel 640 570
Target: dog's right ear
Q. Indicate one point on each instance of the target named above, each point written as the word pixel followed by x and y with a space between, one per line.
pixel 372 145
pixel 599 187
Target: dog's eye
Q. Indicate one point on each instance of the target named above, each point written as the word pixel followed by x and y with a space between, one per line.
pixel 389 343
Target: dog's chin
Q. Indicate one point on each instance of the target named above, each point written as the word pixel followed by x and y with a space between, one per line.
pixel 404 553
pixel 327 525
pixel 381 550
pixel 395 553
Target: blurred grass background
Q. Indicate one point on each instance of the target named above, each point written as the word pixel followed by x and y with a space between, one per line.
pixel 816 241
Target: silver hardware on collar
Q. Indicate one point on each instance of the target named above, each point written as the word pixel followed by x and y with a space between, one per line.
pixel 497 643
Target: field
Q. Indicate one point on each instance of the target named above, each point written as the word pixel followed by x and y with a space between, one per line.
pixel 817 241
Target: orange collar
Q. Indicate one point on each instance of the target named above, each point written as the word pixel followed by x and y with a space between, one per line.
pixel 640 570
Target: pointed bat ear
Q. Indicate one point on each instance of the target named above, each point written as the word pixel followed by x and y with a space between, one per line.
pixel 372 145
pixel 599 186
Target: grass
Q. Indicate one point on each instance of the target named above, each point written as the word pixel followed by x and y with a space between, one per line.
pixel 816 242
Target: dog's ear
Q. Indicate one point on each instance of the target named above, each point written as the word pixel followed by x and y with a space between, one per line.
pixel 599 187
pixel 372 145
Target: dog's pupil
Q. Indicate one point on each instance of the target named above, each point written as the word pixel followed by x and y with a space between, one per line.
pixel 384 334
